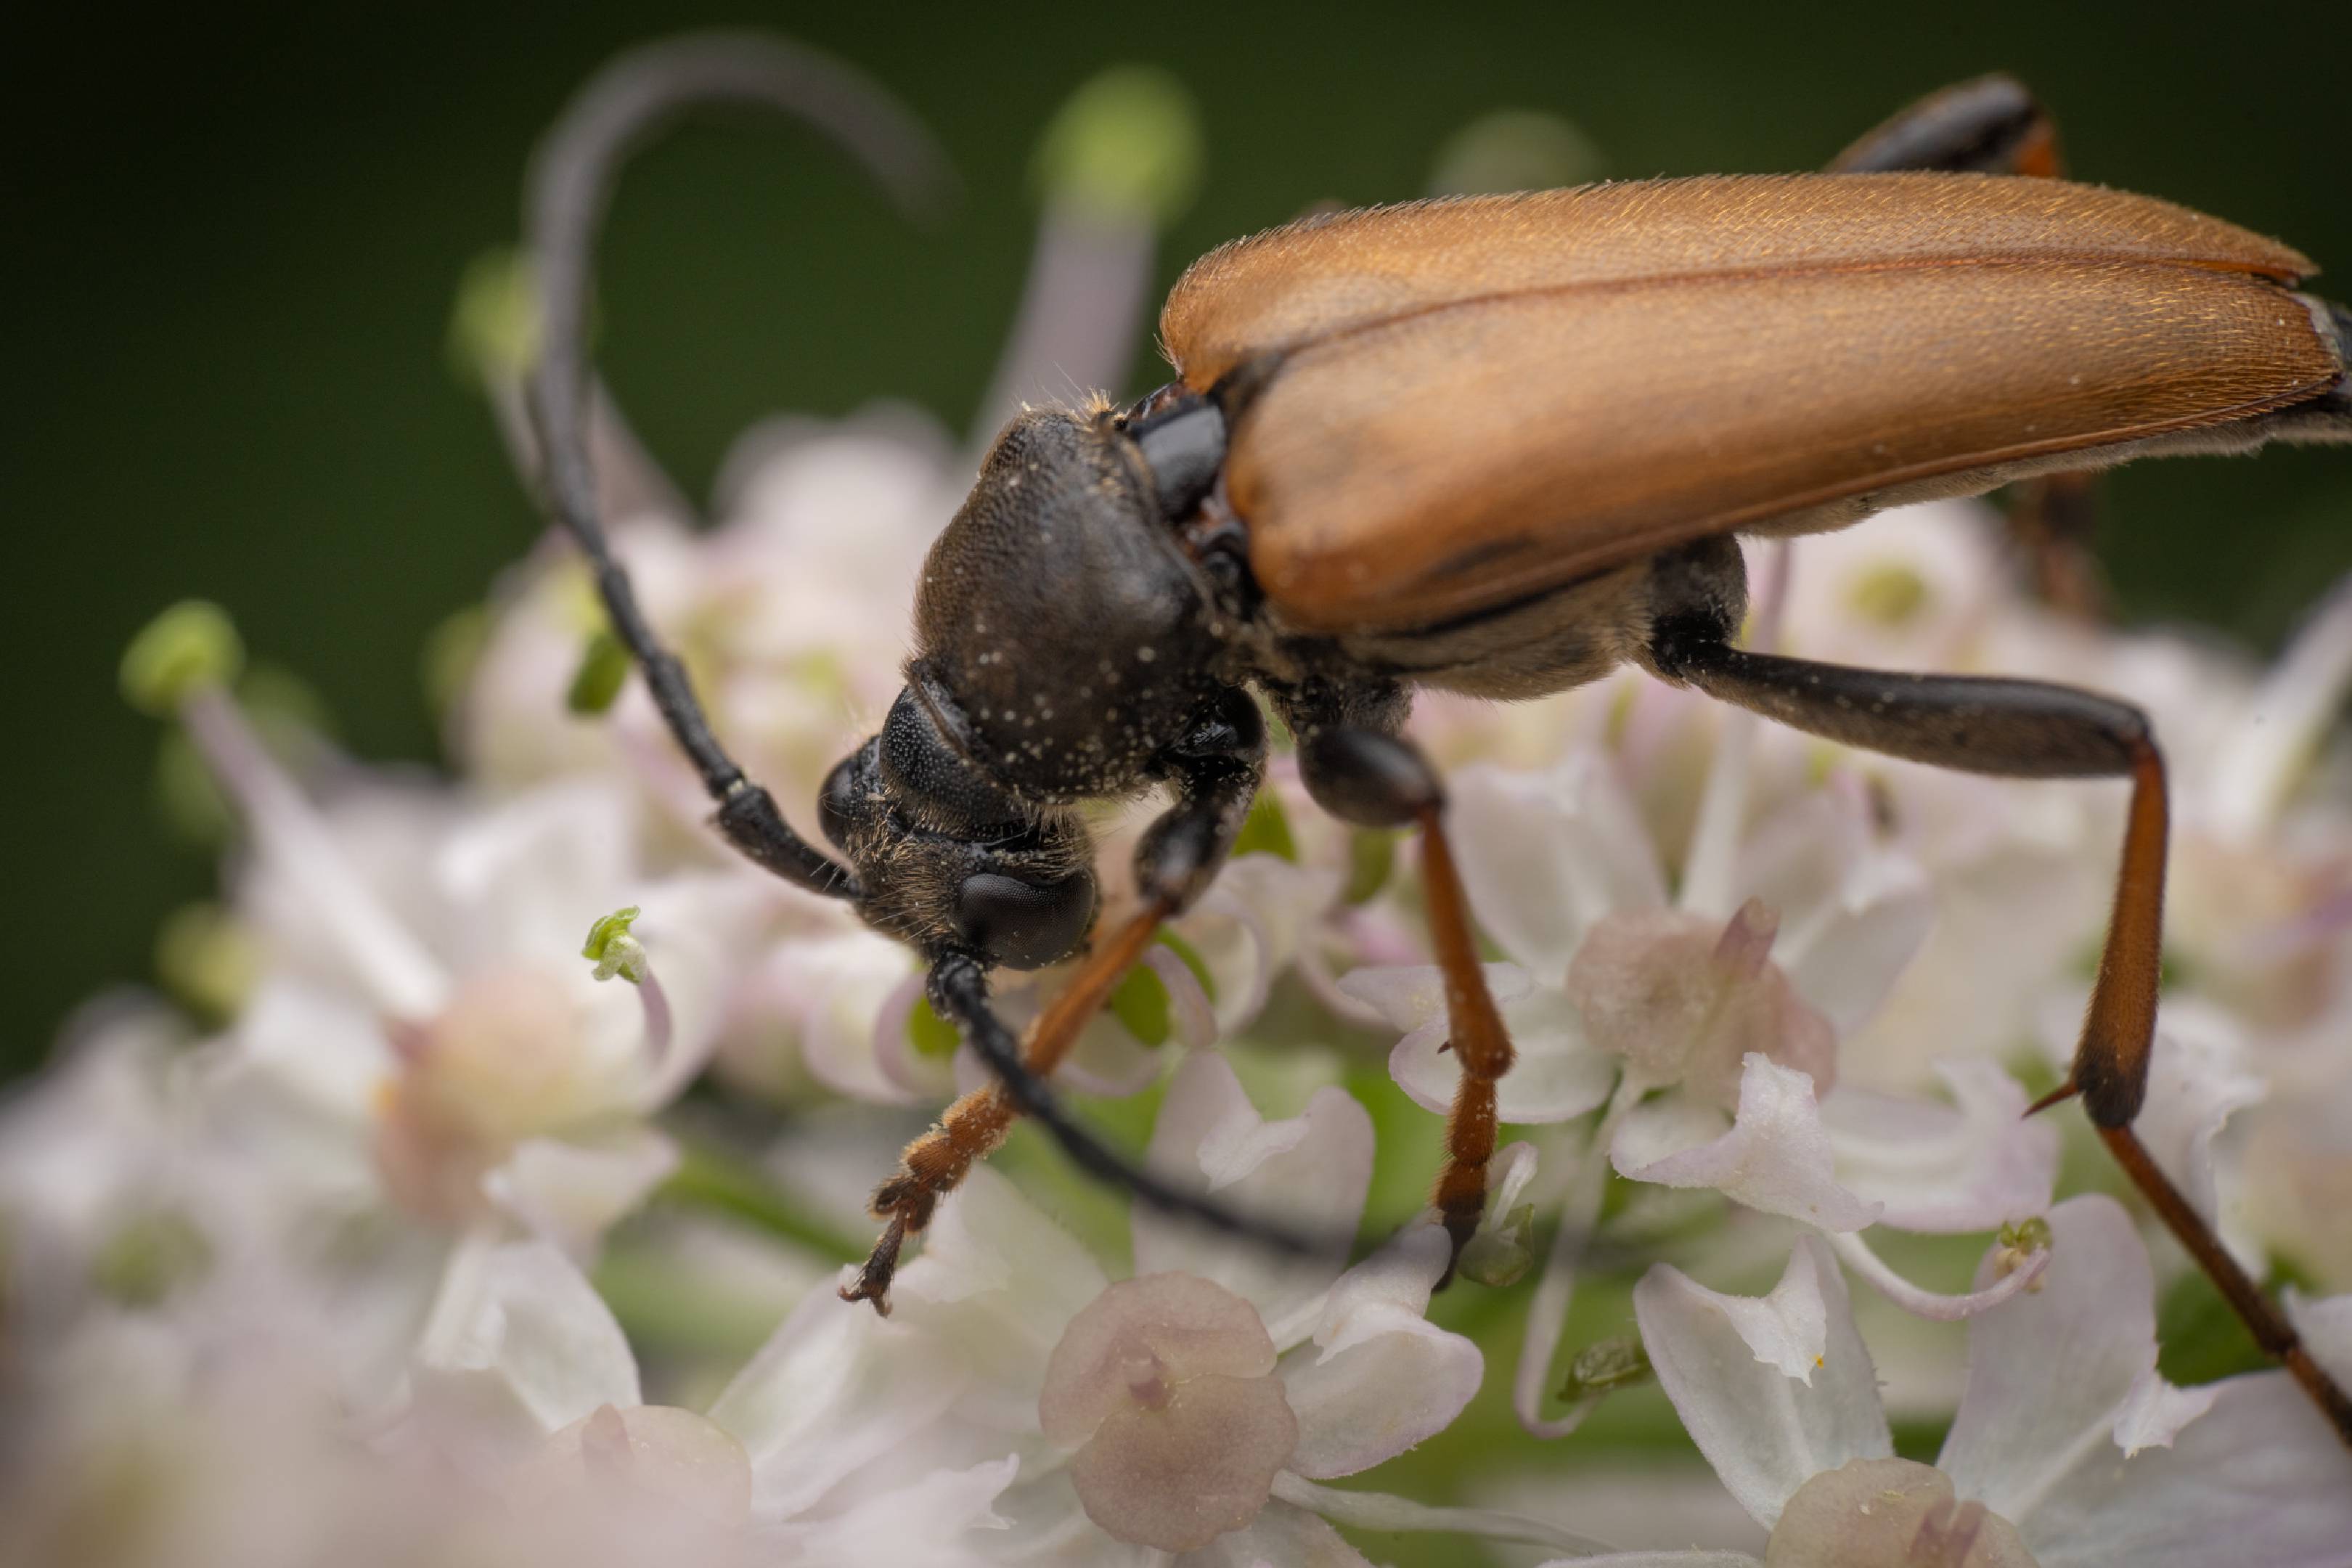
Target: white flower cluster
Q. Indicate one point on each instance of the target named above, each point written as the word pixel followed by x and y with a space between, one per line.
pixel 345 1271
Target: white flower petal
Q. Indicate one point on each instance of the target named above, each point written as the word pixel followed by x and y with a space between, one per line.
pixel 1281 1536
pixel 1544 854
pixel 2195 1081
pixel 998 1282
pixel 572 1192
pixel 921 1524
pixel 1852 915
pixel 2154 1412
pixel 517 1334
pixel 846 984
pixel 1310 1170
pixel 1765 1433
pixel 2325 1327
pixel 1384 1377
pixel 1557 1075
pixel 1413 995
pixel 1249 925
pixel 1386 1514
pixel 328 1048
pixel 2049 1371
pixel 1776 1157
pixel 2259 1480
pixel 834 1389
pixel 1975 1164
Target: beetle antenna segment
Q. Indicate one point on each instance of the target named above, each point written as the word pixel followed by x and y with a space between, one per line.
pixel 571 183
pixel 935 1163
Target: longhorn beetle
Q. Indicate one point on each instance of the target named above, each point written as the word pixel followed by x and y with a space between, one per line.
pixel 1492 445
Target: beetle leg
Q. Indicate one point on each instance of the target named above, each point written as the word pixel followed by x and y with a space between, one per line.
pixel 1993 125
pixel 1376 780
pixel 2025 729
pixel 1217 769
pixel 1990 125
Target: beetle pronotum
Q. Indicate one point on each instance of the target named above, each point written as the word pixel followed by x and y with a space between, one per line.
pixel 1499 446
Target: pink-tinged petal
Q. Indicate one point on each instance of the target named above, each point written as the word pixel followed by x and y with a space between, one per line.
pixel 1933 1305
pixel 572 1191
pixel 1380 1377
pixel 2259 1480
pixel 1875 1513
pixel 2325 1326
pixel 1765 1433
pixel 1683 999
pixel 672 1467
pixel 517 1337
pixel 835 1389
pixel 1107 1060
pixel 1162 1387
pixel 1311 1171
pixel 1545 855
pixel 1192 1016
pixel 1280 1537
pixel 2050 1370
pixel 1776 1157
pixel 916 1075
pixel 1975 1164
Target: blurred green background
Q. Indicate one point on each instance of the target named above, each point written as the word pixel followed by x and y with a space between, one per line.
pixel 234 235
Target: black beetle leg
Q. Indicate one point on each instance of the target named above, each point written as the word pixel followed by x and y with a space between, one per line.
pixel 2025 729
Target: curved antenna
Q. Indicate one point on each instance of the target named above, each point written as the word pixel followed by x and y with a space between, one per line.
pixel 620 109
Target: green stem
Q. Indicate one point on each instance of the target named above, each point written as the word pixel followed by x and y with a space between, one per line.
pixel 720 1182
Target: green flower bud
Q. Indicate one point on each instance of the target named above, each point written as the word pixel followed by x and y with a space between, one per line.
pixel 1127 146
pixel 194 643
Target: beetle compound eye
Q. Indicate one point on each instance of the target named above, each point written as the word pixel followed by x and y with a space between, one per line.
pixel 1024 925
pixel 837 804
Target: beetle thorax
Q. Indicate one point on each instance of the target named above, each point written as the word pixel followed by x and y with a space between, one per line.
pixel 1063 638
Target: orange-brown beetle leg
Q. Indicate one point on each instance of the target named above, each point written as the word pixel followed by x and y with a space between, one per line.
pixel 2024 729
pixel 1994 126
pixel 1376 780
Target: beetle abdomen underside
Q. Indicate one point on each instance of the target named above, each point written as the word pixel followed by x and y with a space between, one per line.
pixel 1483 398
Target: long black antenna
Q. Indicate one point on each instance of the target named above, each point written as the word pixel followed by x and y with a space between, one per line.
pixel 958 991
pixel 622 108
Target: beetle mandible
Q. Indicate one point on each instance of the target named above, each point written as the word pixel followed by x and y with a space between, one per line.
pixel 1499 446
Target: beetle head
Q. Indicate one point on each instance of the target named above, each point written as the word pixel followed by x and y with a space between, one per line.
pixel 948 860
